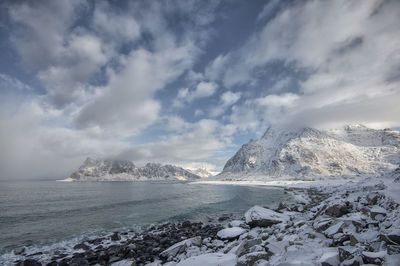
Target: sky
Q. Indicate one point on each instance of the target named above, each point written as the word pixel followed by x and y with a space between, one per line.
pixel 185 82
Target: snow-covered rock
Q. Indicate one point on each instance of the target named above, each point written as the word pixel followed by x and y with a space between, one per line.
pixel 308 153
pixel 230 233
pixel 330 258
pixel 259 216
pixel 211 259
pixel 114 170
pixel 181 246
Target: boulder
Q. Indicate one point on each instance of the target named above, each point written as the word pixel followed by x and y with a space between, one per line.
pixel 181 247
pixel 259 216
pixel 252 258
pixel 334 229
pixel 30 262
pixel 338 210
pixel 82 246
pixel 210 259
pixel 230 233
pixel 330 258
pixel 115 237
pixel 373 257
pixel 377 210
pixel 237 223
pixel 130 262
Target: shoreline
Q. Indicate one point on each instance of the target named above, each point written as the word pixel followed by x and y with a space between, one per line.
pixel 347 224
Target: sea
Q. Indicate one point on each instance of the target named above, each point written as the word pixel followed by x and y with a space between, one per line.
pixel 44 213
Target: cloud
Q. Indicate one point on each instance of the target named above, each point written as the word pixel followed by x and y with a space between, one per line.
pixel 126 105
pixel 227 99
pixel 197 143
pixel 347 51
pixel 34 145
pixel 202 90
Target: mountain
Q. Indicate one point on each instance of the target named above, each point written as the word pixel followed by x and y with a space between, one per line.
pixel 115 170
pixel 307 152
pixel 203 173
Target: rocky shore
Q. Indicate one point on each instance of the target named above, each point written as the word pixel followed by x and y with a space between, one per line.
pixel 346 225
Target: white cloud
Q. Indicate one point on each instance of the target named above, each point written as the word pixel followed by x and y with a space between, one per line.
pixel 126 105
pixel 202 90
pixel 227 99
pixel 349 50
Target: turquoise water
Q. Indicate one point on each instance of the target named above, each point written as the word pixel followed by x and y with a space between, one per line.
pixel 39 213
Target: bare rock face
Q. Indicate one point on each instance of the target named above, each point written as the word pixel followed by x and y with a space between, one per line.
pixel 310 153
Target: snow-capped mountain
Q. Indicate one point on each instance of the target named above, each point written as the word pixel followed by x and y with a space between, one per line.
pixel 306 152
pixel 115 170
pixel 203 173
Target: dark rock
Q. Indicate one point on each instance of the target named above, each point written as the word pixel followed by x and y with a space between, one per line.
pixel 395 238
pixel 31 262
pixel 79 262
pixel 35 254
pixel 345 253
pixel 82 246
pixel 373 257
pixel 115 237
pixel 223 218
pixel 19 251
pixel 393 249
pixel 186 224
pixel 338 210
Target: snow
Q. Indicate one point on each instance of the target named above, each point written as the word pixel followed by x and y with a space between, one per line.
pixel 331 258
pixel 230 233
pixel 123 263
pixel 114 170
pixel 211 259
pixel 307 153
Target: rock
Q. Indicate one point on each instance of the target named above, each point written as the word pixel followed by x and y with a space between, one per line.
pixel 330 259
pixel 346 253
pixel 355 261
pixel 334 229
pixel 223 218
pixel 115 237
pixel 79 262
pixel 19 251
pixel 251 258
pixel 186 224
pixel 181 247
pixel 82 246
pixel 237 223
pixel 30 262
pixel 230 233
pixel 373 257
pixel 338 210
pixel 259 216
pixel 210 259
pixel 130 262
pixel 393 249
pixel 392 239
pixel 377 210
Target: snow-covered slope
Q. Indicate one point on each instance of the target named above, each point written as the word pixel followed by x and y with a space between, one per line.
pixel 113 170
pixel 203 173
pixel 306 152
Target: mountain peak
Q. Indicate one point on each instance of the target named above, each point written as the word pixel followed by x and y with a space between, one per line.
pixel 309 152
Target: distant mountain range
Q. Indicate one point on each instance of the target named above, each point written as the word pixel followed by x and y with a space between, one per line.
pixel 307 152
pixel 117 170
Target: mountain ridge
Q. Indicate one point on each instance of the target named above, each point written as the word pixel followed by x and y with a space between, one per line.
pixel 122 170
pixel 307 152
